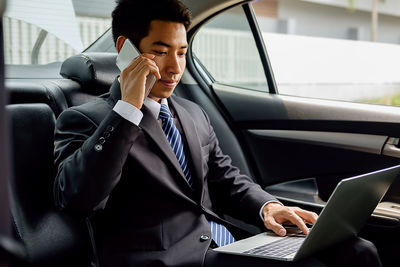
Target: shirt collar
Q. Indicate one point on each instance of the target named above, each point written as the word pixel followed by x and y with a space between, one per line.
pixel 154 106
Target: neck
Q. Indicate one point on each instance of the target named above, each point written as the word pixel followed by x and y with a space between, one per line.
pixel 157 99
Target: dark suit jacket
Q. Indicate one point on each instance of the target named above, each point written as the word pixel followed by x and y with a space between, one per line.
pixel 145 212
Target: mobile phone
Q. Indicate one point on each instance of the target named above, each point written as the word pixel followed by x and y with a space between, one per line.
pixel 128 53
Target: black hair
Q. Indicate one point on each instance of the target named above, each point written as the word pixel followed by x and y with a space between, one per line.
pixel 131 18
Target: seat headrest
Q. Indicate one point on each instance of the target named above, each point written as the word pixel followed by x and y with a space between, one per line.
pixel 95 72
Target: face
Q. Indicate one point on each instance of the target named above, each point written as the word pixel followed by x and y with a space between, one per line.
pixel 167 41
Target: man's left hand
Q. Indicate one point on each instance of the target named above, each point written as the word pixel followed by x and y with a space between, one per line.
pixel 275 214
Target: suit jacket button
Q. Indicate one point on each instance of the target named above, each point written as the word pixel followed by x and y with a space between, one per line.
pixel 110 128
pixel 204 238
pixel 98 148
pixel 102 140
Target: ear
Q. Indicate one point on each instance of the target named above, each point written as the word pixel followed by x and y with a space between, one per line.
pixel 120 42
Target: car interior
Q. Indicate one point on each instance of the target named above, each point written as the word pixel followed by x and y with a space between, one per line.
pixel 296 148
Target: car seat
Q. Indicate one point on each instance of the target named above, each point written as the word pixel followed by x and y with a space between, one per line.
pixel 50 237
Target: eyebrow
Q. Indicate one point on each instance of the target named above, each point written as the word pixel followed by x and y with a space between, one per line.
pixel 167 45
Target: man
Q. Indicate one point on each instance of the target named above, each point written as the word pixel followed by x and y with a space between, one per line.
pixel 149 171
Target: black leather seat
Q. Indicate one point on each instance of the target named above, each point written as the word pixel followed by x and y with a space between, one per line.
pixel 86 76
pixel 36 91
pixel 95 72
pixel 50 237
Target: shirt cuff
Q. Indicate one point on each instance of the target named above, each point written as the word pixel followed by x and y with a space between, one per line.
pixel 128 112
pixel 271 201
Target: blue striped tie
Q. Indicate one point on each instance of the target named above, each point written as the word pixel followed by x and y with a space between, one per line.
pixel 220 234
pixel 175 140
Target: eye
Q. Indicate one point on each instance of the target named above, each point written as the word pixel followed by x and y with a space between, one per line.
pixel 159 52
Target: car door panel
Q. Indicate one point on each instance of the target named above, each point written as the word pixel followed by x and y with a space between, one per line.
pixel 306 158
pixel 293 137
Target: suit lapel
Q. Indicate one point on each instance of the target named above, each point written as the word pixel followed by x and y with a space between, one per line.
pixel 151 126
pixel 193 142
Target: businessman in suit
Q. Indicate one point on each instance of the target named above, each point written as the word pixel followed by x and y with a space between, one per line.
pixel 148 171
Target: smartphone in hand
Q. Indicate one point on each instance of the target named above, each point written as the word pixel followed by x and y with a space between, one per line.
pixel 128 53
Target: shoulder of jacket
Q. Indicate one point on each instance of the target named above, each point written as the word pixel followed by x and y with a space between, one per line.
pixel 94 110
pixel 185 103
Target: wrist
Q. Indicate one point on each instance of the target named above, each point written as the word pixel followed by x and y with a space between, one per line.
pixel 138 103
pixel 270 206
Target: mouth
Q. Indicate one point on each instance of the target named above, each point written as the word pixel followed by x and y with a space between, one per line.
pixel 168 83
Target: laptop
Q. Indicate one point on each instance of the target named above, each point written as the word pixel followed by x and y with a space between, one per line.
pixel 347 210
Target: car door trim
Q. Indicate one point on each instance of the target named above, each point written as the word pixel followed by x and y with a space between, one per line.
pixel 351 141
pixel 284 107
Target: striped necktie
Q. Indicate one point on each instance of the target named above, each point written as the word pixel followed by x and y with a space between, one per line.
pixel 220 234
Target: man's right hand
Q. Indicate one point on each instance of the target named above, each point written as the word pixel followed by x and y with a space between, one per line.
pixel 133 79
pixel 276 214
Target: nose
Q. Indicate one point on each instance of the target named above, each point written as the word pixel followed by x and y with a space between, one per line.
pixel 173 64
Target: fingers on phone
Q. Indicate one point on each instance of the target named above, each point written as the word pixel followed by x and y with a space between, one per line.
pixel 144 65
pixel 148 69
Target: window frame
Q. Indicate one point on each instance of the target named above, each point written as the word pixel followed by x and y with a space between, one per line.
pixel 262 51
pixel 206 79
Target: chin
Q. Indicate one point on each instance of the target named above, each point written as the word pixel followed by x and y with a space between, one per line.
pixel 163 93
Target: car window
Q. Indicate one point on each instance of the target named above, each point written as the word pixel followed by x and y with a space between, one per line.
pixel 53 30
pixel 225 46
pixel 328 50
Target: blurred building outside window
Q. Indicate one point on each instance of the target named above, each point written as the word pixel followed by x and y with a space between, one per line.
pixel 326 48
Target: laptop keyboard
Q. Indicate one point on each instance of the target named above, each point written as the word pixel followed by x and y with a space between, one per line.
pixel 280 248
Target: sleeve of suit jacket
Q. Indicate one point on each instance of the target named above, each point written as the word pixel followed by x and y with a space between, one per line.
pixel 232 192
pixel 89 157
